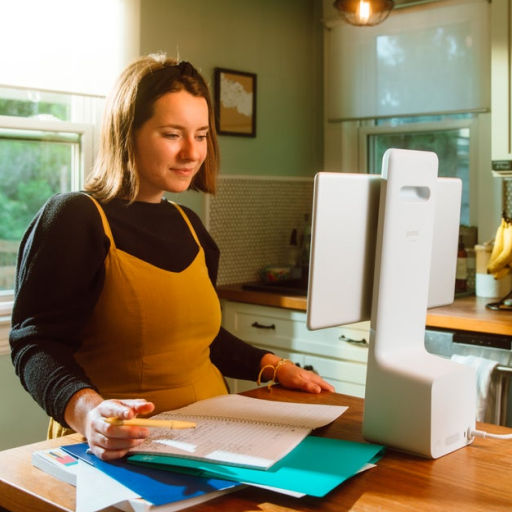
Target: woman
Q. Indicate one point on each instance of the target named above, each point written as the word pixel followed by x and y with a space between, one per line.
pixel 116 312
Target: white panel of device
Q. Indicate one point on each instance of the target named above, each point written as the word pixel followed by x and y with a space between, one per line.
pixel 343 240
pixel 385 248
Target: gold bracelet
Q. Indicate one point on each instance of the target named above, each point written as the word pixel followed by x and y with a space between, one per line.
pixel 279 364
pixel 272 381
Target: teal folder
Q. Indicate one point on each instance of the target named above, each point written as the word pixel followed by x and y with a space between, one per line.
pixel 315 467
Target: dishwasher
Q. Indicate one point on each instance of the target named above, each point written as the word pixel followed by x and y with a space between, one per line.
pixel 495 347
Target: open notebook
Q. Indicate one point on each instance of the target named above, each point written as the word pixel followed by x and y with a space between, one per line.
pixel 238 430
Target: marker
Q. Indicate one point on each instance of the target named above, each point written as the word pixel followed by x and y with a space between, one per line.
pixel 143 422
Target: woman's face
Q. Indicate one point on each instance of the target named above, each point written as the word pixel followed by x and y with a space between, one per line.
pixel 170 147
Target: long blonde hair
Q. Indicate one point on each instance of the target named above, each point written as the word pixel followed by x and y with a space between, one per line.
pixel 129 106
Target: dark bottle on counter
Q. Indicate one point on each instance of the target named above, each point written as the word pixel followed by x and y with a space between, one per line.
pixel 292 258
pixel 461 275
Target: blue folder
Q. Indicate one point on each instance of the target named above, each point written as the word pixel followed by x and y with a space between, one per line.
pixel 315 467
pixel 156 486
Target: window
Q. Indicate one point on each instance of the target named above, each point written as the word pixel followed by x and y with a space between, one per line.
pixel 449 137
pixel 421 80
pixel 43 151
pixel 47 138
pixel 433 58
pixel 34 165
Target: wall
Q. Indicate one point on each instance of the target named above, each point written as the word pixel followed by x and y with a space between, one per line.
pixel 282 42
pixel 22 421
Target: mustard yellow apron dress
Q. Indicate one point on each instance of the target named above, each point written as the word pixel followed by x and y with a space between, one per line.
pixel 150 332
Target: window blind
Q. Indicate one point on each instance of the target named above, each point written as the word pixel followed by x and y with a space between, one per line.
pixel 431 59
pixel 73 46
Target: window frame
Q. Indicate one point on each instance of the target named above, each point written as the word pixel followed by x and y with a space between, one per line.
pixel 369 128
pixel 84 164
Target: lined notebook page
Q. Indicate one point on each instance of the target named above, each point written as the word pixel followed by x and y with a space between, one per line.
pixel 238 430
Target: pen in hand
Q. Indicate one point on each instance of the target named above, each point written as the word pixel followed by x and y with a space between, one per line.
pixel 143 422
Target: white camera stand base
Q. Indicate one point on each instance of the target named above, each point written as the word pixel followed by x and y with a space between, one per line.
pixel 414 401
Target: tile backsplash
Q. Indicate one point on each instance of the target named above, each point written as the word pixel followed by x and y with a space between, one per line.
pixel 251 219
pixel 507 197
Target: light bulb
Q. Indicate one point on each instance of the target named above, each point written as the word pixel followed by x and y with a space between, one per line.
pixel 364 11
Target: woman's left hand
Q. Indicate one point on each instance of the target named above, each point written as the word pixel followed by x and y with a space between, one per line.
pixel 291 376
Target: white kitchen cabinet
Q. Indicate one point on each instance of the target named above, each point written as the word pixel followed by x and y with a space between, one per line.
pixel 338 354
pixel 501 84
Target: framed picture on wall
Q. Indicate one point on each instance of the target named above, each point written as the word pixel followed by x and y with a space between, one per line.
pixel 235 102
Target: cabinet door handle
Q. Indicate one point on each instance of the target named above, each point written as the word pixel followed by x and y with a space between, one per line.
pixel 256 325
pixel 362 341
pixel 307 367
pixel 310 368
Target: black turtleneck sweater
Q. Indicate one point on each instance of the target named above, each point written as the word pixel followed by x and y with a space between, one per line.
pixel 60 276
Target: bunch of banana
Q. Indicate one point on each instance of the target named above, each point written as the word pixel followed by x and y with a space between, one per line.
pixel 500 262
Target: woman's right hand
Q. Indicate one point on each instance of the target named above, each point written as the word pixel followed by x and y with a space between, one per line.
pixel 108 441
pixel 86 413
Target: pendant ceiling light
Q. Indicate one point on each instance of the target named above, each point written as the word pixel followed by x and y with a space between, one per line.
pixel 364 13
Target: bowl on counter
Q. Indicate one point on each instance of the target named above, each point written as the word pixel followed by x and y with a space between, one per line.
pixel 275 273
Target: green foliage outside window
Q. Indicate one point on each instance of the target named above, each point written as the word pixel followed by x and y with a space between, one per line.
pixel 451 147
pixel 30 172
pixel 17 108
pixel 34 165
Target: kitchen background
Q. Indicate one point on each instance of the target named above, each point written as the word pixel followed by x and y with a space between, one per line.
pixel 266 181
pixel 252 219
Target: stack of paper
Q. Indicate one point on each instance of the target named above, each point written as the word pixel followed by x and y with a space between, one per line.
pixel 57 463
pixel 159 490
pixel 238 441
pixel 315 467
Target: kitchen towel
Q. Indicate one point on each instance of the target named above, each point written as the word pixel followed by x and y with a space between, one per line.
pixel 485 385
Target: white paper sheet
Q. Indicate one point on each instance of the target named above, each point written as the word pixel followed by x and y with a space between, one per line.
pixel 238 430
pixel 95 490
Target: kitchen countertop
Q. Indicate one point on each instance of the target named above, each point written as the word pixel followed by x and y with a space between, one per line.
pixel 465 314
pixel 236 293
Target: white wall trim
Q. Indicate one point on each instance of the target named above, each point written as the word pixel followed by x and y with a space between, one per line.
pixel 5 326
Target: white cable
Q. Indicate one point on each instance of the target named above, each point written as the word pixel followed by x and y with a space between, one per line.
pixel 481 433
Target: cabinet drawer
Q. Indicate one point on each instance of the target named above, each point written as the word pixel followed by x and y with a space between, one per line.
pixel 348 388
pixel 286 330
pixel 340 370
pixel 338 355
pixel 347 377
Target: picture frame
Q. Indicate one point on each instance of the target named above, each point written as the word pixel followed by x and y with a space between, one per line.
pixel 235 102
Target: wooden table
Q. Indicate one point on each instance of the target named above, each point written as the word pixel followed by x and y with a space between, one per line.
pixel 475 478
